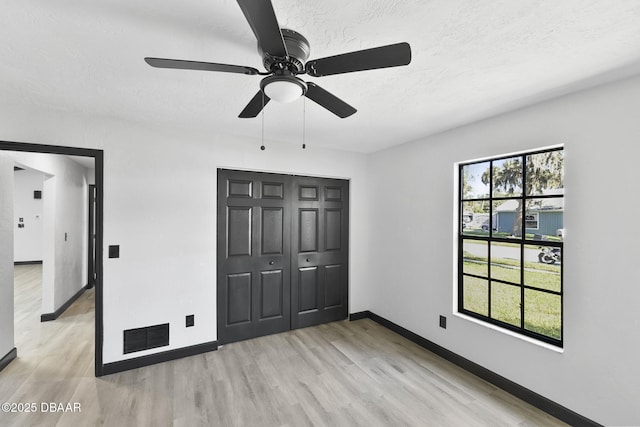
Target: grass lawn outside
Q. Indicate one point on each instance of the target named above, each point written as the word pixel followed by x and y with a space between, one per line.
pixel 536 275
pixel 542 312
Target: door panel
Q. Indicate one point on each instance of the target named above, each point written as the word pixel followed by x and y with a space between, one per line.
pixel 333 194
pixel 239 298
pixel 320 251
pixel 308 230
pixel 272 190
pixel 272 231
pixel 308 289
pixel 239 231
pixel 254 246
pixel 333 289
pixel 308 192
pixel 271 294
pixel 333 229
pixel 239 188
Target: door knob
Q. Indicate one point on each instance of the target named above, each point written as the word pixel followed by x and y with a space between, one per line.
pixel 271 262
pixel 308 260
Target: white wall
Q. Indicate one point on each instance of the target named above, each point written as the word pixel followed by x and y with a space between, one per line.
pixel 160 207
pixel 65 226
pixel 412 229
pixel 27 240
pixel 6 255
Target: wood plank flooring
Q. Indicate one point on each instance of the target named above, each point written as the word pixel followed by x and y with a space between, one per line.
pixel 340 374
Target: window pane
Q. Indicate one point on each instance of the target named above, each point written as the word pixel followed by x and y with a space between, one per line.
pixel 475 181
pixel 545 219
pixel 507 218
pixel 550 255
pixel 543 278
pixel 543 267
pixel 476 295
pixel 475 258
pixel 505 303
pixel 545 173
pixel 505 262
pixel 543 313
pixel 475 218
pixel 507 177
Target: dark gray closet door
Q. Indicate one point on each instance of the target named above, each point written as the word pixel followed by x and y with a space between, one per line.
pixel 320 246
pixel 254 255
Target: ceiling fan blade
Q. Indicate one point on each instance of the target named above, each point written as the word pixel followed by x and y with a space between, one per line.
pixel 392 55
pixel 254 106
pixel 329 101
pixel 202 66
pixel 263 22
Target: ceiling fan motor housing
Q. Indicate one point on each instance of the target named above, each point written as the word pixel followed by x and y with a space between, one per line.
pixel 297 48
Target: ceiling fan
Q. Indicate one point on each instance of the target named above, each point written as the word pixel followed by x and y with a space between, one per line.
pixel 285 53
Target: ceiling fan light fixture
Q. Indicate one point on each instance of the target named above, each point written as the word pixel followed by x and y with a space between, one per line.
pixel 283 88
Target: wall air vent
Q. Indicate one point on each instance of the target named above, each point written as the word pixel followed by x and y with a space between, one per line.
pixel 146 338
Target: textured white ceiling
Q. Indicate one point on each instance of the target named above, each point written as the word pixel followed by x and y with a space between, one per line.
pixel 471 59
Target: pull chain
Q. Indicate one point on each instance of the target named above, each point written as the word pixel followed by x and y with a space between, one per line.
pixel 262 147
pixel 304 116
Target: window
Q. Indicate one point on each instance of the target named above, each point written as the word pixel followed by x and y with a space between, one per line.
pixel 510 242
pixel 531 220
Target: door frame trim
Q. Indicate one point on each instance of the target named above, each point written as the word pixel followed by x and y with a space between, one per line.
pixel 91 244
pixel 98 156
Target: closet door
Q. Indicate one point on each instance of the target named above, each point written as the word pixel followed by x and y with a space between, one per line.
pixel 254 255
pixel 320 252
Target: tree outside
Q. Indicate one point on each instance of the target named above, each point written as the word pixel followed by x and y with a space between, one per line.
pixel 544 176
pixel 544 171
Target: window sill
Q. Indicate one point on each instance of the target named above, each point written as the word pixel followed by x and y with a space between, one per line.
pixel 510 333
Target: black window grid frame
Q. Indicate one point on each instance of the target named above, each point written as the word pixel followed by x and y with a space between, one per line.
pixel 522 241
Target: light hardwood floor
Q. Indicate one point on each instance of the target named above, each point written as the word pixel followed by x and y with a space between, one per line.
pixel 339 374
